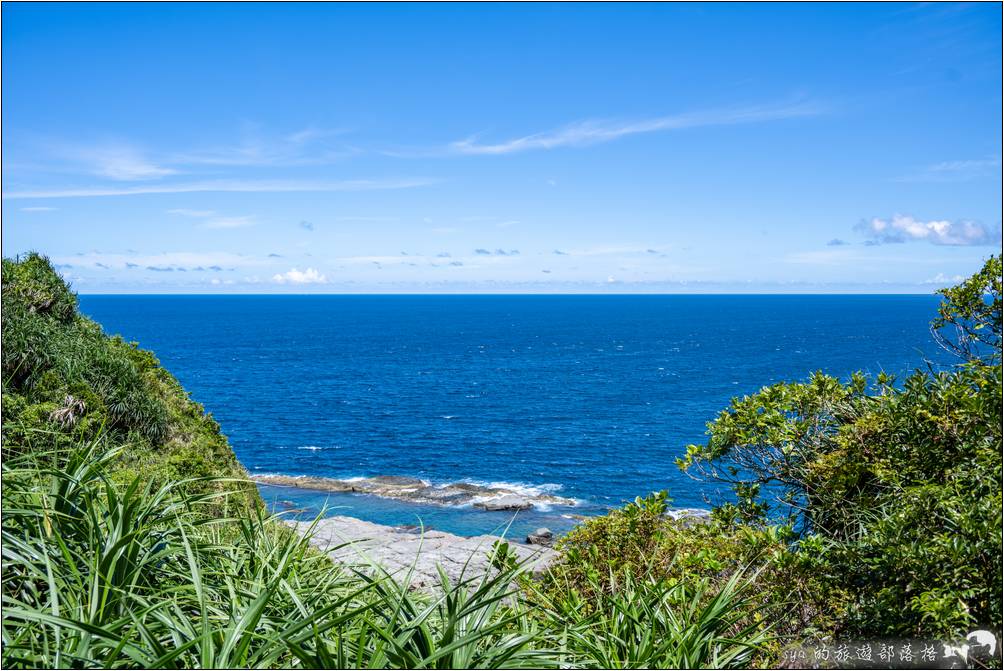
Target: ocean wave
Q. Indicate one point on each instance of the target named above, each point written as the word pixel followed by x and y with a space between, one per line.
pixel 493 496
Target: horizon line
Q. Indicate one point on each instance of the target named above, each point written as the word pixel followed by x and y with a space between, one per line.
pixel 523 293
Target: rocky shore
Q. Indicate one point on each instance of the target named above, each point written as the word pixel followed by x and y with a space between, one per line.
pixel 412 553
pixel 420 491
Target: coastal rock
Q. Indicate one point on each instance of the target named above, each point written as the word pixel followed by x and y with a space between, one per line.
pixel 542 536
pixel 505 502
pixel 395 481
pixel 412 555
pixel 485 497
pixel 689 517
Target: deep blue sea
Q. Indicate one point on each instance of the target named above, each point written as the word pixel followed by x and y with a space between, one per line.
pixel 590 397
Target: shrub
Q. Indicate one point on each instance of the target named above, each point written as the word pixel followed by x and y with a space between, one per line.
pixel 52 353
pixel 894 488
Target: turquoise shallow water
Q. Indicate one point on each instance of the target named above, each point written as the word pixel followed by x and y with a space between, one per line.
pixel 587 397
pixel 465 520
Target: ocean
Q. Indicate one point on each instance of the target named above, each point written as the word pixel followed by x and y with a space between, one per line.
pixel 590 398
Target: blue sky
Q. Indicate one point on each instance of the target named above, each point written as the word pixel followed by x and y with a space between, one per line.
pixel 503 148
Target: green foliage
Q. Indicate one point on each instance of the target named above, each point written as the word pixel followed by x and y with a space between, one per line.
pixel 973 311
pixel 65 381
pixel 34 286
pixel 895 488
pixel 656 622
pixel 624 538
pixel 102 574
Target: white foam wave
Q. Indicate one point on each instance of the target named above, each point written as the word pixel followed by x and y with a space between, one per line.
pixel 522 488
pixel 679 513
pixel 532 492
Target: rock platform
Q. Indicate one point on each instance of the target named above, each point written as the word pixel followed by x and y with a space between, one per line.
pixel 411 553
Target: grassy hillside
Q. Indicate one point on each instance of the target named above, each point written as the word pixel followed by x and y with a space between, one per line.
pixel 66 382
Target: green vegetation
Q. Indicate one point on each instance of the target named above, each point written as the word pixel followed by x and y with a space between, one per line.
pixel 98 575
pixel 66 383
pixel 894 490
pixel 130 540
pixel 131 537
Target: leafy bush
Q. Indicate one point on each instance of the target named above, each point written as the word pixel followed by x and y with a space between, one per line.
pixel 894 488
pixel 65 381
pixel 100 574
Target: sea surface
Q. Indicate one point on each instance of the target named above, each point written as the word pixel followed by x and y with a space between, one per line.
pixel 587 397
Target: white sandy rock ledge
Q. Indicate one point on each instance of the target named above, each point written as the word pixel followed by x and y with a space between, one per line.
pixel 400 550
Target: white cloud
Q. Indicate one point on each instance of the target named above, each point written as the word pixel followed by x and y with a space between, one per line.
pixel 231 185
pixel 944 280
pixel 903 228
pixel 257 149
pixel 590 132
pixel 122 161
pixel 956 171
pixel 294 276
pixel 212 219
pixel 38 209
pixel 127 165
pixel 965 166
pixel 119 162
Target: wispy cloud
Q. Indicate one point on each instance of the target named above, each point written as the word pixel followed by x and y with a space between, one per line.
pixel 231 185
pixel 125 164
pixel 606 251
pixel 307 146
pixel 116 161
pixel 212 219
pixel 943 280
pixel 208 260
pixel 956 171
pixel 294 276
pixel 591 132
pixel 39 209
pixel 903 228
